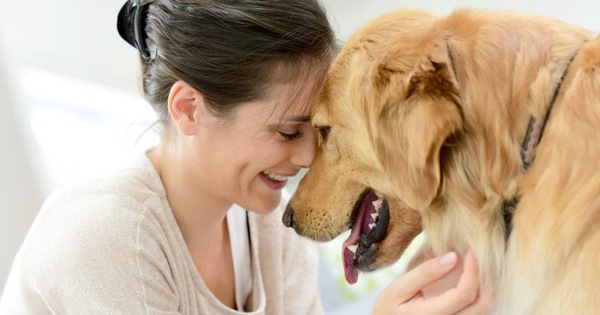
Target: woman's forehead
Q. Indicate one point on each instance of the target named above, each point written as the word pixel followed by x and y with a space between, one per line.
pixel 289 97
pixel 291 101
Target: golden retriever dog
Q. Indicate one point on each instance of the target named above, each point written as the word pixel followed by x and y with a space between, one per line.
pixel 481 129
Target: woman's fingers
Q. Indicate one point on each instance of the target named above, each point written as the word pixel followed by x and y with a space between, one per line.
pixel 408 285
pixel 484 303
pixel 464 294
pixel 399 295
pixel 468 284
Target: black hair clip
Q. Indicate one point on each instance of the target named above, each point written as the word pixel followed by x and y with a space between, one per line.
pixel 136 37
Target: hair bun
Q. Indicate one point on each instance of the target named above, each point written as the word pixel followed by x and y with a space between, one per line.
pixel 131 23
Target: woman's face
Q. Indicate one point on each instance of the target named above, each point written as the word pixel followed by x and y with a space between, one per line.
pixel 247 159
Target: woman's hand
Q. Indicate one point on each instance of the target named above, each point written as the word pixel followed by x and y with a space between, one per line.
pixel 432 288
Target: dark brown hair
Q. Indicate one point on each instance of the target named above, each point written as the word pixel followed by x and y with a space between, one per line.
pixel 231 50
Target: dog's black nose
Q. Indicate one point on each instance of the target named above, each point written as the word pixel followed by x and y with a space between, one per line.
pixel 288 216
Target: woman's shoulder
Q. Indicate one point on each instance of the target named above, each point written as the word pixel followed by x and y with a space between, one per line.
pixel 103 208
pixel 129 188
pixel 89 242
pixel 97 221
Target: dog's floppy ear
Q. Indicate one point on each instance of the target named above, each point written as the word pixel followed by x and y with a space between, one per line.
pixel 419 109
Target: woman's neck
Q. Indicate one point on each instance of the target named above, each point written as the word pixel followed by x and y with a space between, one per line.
pixel 202 221
pixel 200 215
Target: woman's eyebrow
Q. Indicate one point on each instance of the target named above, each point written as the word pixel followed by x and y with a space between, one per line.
pixel 304 118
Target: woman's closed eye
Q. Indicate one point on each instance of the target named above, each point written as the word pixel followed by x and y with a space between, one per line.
pixel 291 136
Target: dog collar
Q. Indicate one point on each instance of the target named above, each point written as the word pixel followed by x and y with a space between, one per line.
pixel 535 131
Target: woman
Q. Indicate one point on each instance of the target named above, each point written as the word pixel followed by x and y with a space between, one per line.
pixel 231 82
pixel 194 225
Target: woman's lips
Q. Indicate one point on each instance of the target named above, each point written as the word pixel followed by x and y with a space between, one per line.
pixel 273 184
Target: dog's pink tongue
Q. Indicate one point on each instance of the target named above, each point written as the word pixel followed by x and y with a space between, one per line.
pixel 350 271
pixel 367 207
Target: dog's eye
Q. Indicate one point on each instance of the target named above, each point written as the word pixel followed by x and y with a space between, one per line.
pixel 324 131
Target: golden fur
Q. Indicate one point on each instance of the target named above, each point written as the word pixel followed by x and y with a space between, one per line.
pixel 432 112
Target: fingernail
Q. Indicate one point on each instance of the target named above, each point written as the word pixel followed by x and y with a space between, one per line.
pixel 448 259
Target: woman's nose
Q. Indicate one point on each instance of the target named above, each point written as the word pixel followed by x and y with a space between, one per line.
pixel 305 152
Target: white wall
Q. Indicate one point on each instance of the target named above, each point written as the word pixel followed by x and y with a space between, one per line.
pixel 79 39
pixel 19 181
pixel 70 36
pixel 347 15
pixel 74 38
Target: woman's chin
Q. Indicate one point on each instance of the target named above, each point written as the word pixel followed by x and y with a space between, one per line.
pixel 264 204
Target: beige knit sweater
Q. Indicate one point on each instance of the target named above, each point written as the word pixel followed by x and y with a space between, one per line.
pixel 113 247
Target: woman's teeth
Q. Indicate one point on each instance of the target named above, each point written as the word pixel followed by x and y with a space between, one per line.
pixel 274 176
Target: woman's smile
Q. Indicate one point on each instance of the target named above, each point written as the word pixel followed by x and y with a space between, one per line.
pixel 273 180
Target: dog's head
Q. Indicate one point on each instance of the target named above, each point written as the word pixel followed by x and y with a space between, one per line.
pixel 386 109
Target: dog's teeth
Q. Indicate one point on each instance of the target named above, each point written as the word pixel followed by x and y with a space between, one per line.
pixel 377 204
pixel 372 226
pixel 374 215
pixel 352 248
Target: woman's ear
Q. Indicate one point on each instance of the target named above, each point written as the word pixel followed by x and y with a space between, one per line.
pixel 185 104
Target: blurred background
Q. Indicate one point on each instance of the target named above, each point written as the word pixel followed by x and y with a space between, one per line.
pixel 70 109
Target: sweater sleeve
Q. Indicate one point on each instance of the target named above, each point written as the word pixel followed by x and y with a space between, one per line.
pixel 83 256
